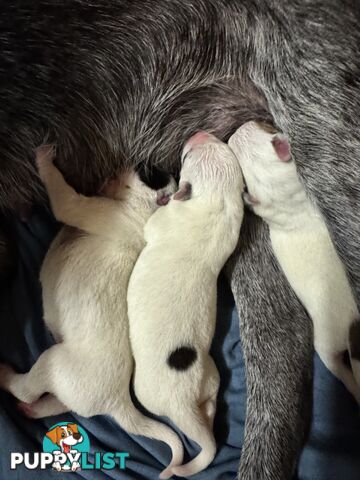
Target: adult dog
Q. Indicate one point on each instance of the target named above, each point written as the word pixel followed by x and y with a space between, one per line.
pixel 114 82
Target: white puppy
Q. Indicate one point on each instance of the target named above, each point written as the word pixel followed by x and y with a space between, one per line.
pixel 301 243
pixel 85 277
pixel 172 293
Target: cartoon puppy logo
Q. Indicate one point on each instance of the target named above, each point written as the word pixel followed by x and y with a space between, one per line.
pixel 65 437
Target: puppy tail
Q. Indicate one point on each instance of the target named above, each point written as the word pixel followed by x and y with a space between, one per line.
pixel 135 422
pixel 196 427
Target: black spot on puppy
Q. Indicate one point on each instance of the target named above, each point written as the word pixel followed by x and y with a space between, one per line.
pixel 354 340
pixel 182 358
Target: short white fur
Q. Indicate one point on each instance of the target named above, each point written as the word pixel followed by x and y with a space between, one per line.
pixel 84 277
pixel 302 244
pixel 172 294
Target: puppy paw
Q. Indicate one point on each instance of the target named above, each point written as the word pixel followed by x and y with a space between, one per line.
pixel 26 409
pixel 162 198
pixel 165 474
pixel 44 156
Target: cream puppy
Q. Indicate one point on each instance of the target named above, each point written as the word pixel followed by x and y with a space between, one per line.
pixel 302 245
pixel 84 277
pixel 172 293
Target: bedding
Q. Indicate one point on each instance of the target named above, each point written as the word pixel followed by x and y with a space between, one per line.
pixel 333 449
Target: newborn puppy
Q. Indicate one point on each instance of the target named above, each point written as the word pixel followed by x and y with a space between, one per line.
pixel 301 243
pixel 84 277
pixel 172 293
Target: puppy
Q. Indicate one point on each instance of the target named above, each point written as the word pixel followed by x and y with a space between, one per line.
pixel 302 245
pixel 172 293
pixel 84 277
pixel 65 437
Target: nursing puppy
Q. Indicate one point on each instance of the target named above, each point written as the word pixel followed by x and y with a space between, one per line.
pixel 210 65
pixel 84 277
pixel 302 244
pixel 172 293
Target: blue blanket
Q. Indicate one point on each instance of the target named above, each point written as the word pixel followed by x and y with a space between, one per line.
pixel 333 450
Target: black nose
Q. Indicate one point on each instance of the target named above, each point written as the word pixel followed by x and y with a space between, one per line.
pixel 77 436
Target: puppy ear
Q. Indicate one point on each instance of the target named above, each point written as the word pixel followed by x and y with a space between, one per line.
pixel 250 200
pixel 282 147
pixel 73 427
pixel 53 435
pixel 184 192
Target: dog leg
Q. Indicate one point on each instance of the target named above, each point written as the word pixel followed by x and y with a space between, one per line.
pixel 277 342
pixel 28 387
pixel 91 214
pixel 46 406
pixel 211 388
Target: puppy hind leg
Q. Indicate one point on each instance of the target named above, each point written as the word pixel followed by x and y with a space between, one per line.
pixel 210 392
pixel 28 387
pixel 209 410
pixel 46 406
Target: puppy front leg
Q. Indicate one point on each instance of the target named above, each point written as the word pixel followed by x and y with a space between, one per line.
pixel 46 406
pixel 62 196
pixel 91 214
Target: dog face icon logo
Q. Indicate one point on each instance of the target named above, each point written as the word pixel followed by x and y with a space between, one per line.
pixel 66 448
pixel 65 436
pixel 66 441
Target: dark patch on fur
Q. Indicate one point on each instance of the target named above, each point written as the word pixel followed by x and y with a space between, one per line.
pixel 351 79
pixel 8 252
pixel 354 340
pixel 182 358
pixel 153 177
pixel 346 359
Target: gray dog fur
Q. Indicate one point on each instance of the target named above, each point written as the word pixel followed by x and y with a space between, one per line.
pixel 119 82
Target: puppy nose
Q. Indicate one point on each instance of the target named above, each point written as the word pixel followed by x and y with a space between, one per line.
pixel 198 139
pixel 77 436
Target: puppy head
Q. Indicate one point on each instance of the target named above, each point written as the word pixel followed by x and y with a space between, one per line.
pixel 208 166
pixel 260 144
pixel 264 155
pixel 71 434
pixel 65 435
